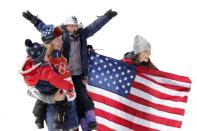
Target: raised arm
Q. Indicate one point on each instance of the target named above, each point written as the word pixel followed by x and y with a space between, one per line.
pixel 99 23
pixel 37 22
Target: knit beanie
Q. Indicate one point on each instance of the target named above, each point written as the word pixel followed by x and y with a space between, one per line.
pixel 49 32
pixel 140 44
pixel 35 50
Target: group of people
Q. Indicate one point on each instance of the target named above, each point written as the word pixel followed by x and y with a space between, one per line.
pixel 56 71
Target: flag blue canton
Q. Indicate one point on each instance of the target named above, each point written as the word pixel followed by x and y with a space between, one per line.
pixel 110 74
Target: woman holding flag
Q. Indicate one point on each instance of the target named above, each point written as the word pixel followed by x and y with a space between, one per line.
pixel 140 55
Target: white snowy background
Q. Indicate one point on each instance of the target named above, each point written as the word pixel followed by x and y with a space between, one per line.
pixel 169 25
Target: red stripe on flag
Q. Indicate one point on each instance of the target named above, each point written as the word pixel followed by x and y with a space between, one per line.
pixel 158 94
pixel 134 112
pixel 122 122
pixel 101 127
pixel 156 106
pixel 169 86
pixel 163 74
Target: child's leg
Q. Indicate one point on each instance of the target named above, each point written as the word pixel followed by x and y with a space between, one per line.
pixel 83 99
pixel 84 124
pixel 91 119
pixel 39 112
pixel 85 105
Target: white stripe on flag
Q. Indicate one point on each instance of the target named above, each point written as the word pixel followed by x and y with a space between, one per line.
pixel 169 81
pixel 156 100
pixel 132 118
pixel 111 124
pixel 159 88
pixel 133 104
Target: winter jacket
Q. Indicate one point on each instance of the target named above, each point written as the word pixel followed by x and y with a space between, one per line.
pixel 44 78
pixel 84 33
pixel 62 66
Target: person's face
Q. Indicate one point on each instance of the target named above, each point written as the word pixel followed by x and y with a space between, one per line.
pixel 144 56
pixel 57 43
pixel 72 28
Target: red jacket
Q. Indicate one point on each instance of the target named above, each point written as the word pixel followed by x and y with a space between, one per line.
pixel 34 73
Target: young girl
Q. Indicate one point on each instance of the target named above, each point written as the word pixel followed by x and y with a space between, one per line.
pixel 140 55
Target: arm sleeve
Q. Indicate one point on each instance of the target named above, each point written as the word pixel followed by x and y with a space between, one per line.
pixel 96 25
pixel 56 79
pixel 33 92
pixel 39 24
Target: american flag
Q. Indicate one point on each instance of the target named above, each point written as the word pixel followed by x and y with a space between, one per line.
pixel 129 98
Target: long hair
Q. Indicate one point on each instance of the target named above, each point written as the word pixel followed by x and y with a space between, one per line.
pixel 146 64
pixel 135 58
pixel 49 50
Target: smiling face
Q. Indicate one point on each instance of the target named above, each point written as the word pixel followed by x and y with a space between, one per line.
pixel 57 43
pixel 72 28
pixel 144 56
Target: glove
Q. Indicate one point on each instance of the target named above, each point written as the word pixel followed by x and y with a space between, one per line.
pixel 90 48
pixel 111 13
pixel 29 16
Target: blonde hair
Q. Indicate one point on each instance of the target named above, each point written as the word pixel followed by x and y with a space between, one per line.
pixel 49 50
